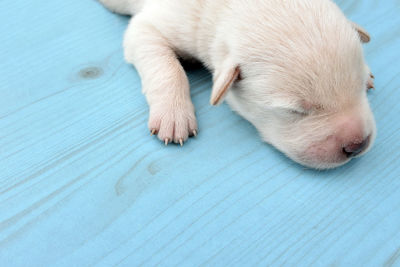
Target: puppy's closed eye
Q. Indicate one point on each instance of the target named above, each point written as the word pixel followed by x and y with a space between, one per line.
pixel 303 110
pixel 298 112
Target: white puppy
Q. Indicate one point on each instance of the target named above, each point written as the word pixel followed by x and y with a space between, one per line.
pixel 294 68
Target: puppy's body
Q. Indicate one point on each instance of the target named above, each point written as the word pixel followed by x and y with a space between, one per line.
pixel 295 69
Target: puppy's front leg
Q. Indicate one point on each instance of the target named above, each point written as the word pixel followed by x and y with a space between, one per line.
pixel 164 82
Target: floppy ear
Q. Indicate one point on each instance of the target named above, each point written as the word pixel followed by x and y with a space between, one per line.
pixel 364 35
pixel 223 81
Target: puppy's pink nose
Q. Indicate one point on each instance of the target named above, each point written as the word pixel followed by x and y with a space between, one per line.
pixel 354 149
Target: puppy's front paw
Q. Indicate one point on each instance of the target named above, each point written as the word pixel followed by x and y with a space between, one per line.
pixel 173 123
pixel 370 82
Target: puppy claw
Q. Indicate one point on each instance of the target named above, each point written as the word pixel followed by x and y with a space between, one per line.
pixel 370 82
pixel 153 132
pixel 181 142
pixel 194 133
pixel 166 141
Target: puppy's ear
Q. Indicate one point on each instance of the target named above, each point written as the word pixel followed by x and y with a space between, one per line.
pixel 223 81
pixel 364 35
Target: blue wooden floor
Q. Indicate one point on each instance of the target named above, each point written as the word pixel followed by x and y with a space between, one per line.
pixel 82 182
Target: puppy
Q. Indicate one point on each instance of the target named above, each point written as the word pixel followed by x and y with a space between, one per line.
pixel 295 69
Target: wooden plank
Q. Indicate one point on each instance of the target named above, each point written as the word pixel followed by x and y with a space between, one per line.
pixel 82 183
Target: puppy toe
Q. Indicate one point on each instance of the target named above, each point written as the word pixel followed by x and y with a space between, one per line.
pixel 166 132
pixel 181 133
pixel 193 130
pixel 154 124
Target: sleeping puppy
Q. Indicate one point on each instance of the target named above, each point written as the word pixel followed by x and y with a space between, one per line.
pixel 295 69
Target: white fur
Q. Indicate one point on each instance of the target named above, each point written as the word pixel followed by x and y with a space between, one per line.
pixel 302 72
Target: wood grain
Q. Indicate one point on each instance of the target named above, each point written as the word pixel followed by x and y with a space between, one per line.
pixel 82 183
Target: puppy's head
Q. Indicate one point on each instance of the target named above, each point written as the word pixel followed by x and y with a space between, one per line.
pixel 307 97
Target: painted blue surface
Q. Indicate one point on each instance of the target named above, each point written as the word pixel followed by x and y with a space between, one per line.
pixel 82 182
